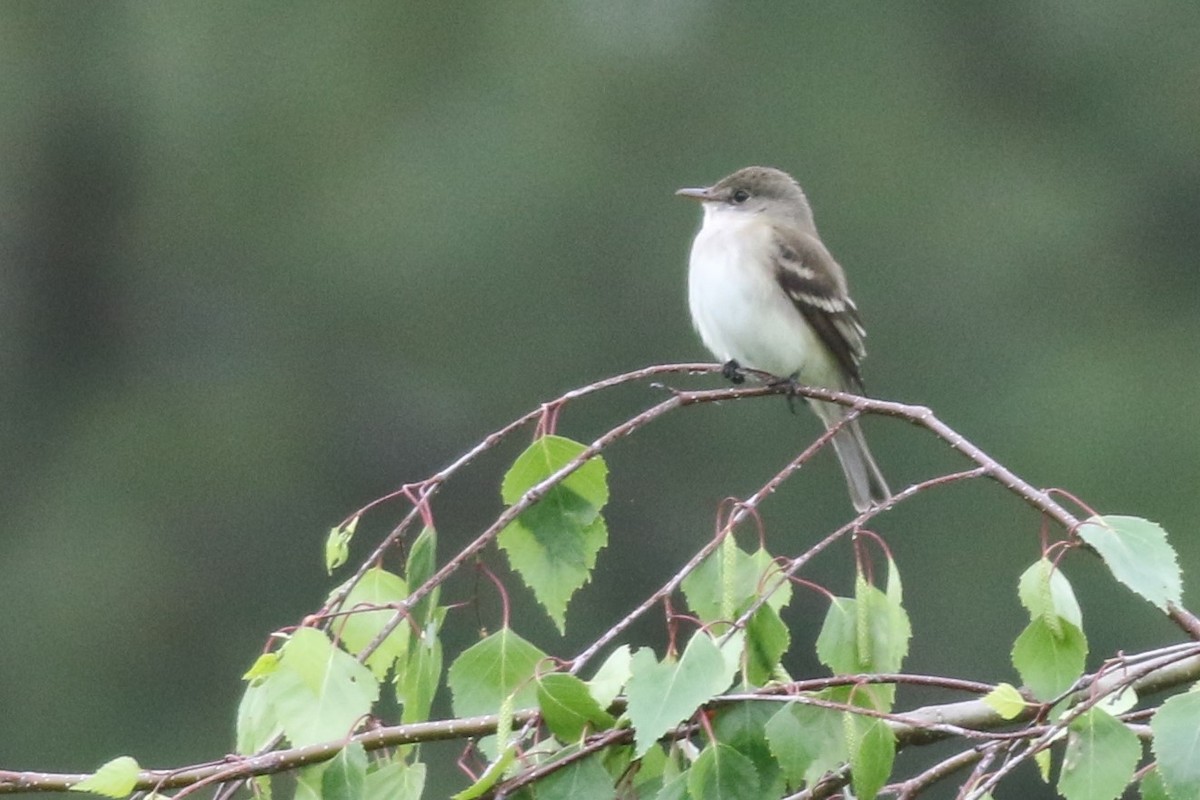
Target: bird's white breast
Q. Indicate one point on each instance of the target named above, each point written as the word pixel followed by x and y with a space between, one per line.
pixel 738 307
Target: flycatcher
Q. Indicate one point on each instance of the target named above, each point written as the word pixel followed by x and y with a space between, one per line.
pixel 766 294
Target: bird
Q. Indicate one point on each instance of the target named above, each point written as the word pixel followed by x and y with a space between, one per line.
pixel 765 294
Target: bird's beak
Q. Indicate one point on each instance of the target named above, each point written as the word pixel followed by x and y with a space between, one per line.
pixel 695 194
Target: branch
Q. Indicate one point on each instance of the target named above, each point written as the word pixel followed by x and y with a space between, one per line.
pixel 1156 671
pixel 1153 671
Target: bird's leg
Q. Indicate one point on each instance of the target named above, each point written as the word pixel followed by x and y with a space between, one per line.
pixel 732 371
pixel 793 385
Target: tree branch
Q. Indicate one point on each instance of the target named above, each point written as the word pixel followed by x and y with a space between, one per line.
pixel 971 720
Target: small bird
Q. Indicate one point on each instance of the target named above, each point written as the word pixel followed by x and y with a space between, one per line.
pixel 765 294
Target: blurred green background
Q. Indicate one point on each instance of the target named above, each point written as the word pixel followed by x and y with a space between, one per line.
pixel 260 263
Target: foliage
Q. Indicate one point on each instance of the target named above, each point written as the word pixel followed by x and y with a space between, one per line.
pixel 717 715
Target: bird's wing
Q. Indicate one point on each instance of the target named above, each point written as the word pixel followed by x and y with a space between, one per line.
pixel 813 280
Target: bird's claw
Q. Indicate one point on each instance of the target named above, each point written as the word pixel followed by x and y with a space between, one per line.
pixel 792 382
pixel 732 371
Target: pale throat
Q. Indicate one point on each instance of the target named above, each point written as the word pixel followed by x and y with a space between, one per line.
pixel 734 229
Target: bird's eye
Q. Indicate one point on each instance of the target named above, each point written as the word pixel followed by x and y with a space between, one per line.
pixel 741 196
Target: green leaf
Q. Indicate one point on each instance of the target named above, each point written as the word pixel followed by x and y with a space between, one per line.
pixel 568 708
pixel 490 671
pixel 417 683
pixel 257 725
pixel 337 545
pixel 662 695
pixel 553 552
pixel 1049 663
pixel 1138 555
pixel 872 748
pixel 706 587
pixel 554 543
pixel 548 455
pixel 358 627
pixel 674 788
pixel 1005 700
pixel 319 692
pixel 1048 595
pixel 894 590
pixel 585 779
pixel 1152 787
pixel 344 776
pixel 115 778
pixel 259 786
pixel 418 568
pixel 264 665
pixel 869 633
pixel 421 562
pixel 733 648
pixel 1118 703
pixel 1176 744
pixel 1101 756
pixel 308 782
pixel 767 639
pixel 416 678
pixel 610 679
pixel 791 743
pixel 722 773
pixel 807 740
pixel 742 726
pixel 884 629
pixel 650 770
pixel 395 781
pixel 1042 759
pixel 837 643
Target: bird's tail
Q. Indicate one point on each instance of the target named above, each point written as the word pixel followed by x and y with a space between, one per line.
pixel 866 483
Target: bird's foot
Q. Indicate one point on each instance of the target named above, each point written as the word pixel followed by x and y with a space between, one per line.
pixel 792 382
pixel 732 371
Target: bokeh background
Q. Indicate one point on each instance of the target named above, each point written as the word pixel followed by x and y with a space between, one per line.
pixel 260 263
